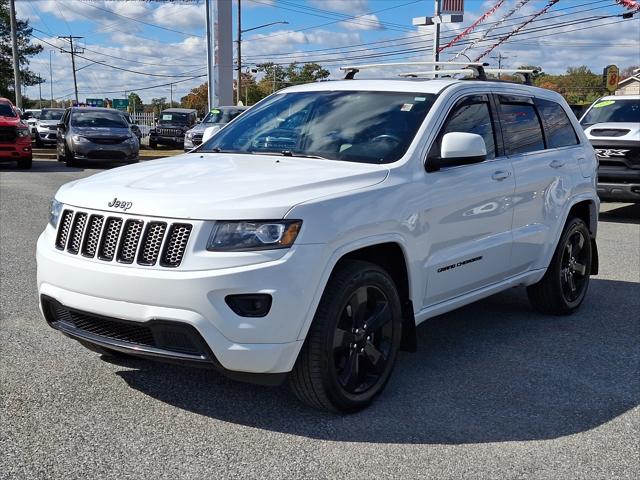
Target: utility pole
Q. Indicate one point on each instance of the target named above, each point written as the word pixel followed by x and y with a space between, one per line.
pixel 436 36
pixel 500 57
pixel 239 83
pixel 73 51
pixel 51 78
pixel 14 48
pixel 40 95
pixel 171 95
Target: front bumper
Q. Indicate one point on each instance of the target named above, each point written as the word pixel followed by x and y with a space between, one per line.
pixel 263 345
pixel 164 140
pixel 20 149
pixel 119 152
pixel 46 135
pixel 619 192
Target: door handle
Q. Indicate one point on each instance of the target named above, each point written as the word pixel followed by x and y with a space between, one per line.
pixel 556 163
pixel 501 175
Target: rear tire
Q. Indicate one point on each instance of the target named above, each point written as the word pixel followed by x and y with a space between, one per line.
pixel 353 342
pixel 25 163
pixel 564 285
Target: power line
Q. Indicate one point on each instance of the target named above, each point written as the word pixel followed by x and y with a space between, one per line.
pixel 422 37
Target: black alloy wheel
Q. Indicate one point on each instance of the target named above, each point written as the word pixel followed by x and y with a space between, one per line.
pixel 574 266
pixel 353 341
pixel 564 285
pixel 362 340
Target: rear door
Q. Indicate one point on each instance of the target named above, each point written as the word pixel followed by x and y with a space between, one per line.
pixel 469 209
pixel 544 149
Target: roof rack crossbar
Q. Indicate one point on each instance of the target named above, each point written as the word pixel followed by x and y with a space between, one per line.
pixel 353 69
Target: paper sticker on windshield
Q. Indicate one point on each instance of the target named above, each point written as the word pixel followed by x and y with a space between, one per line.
pixel 215 110
pixel 604 104
pixel 419 99
pixel 406 107
pixel 166 116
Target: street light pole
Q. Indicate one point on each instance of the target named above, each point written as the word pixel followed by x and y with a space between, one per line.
pixel 14 48
pixel 51 78
pixel 240 32
pixel 239 82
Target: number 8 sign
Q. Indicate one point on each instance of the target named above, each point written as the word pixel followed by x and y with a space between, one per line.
pixel 611 77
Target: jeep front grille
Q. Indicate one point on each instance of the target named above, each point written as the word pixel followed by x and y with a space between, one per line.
pixel 125 240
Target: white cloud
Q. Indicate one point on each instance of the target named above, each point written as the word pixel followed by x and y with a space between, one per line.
pixel 363 22
pixel 354 7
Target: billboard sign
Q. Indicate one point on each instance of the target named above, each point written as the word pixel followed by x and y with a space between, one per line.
pixel 611 77
pixel 95 102
pixel 452 7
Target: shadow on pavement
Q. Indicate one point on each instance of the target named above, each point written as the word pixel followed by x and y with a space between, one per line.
pixel 55 166
pixel 493 371
pixel 625 214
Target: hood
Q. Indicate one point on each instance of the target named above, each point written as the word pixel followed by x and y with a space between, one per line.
pixel 181 126
pixel 10 122
pixel 201 127
pixel 48 123
pixel 214 186
pixel 614 130
pixel 105 132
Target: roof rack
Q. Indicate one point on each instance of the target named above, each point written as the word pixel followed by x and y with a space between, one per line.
pixel 527 75
pixel 477 67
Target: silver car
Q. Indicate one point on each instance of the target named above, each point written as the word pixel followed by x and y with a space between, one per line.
pixel 217 117
pixel 86 134
pixel 47 126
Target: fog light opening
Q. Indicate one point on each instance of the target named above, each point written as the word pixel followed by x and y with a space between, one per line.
pixel 249 305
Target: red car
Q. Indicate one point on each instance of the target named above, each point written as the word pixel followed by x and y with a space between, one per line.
pixel 15 139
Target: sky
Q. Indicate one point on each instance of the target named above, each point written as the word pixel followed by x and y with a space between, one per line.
pixel 157 43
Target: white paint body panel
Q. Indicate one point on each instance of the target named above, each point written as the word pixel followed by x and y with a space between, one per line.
pixel 438 219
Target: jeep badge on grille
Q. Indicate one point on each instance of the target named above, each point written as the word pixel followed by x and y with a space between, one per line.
pixel 115 203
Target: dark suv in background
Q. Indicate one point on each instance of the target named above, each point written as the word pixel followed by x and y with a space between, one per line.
pixel 171 127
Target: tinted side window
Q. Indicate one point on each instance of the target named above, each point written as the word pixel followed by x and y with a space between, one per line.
pixel 521 128
pixel 470 118
pixel 557 125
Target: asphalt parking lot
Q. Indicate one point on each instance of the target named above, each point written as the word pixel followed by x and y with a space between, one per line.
pixel 495 390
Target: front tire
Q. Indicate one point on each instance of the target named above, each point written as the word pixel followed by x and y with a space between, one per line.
pixel 69 161
pixel 353 342
pixel 25 163
pixel 565 284
pixel 153 145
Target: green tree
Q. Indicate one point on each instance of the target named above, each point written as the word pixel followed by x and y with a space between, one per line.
pixel 309 72
pixel 158 104
pixel 135 102
pixel 197 98
pixel 25 50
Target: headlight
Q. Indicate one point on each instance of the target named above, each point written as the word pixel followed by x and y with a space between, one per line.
pixel 189 135
pixel 22 132
pixel 54 212
pixel 79 139
pixel 253 235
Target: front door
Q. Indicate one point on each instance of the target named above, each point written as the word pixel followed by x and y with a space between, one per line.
pixel 469 210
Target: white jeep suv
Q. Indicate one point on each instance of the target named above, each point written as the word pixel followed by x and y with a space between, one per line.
pixel 310 236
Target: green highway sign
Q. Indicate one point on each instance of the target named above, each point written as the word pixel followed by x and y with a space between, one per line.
pixel 120 103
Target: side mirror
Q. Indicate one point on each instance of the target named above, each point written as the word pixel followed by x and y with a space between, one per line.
pixel 61 126
pixel 210 132
pixel 458 148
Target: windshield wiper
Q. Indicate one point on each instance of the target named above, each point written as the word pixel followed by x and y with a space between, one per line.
pixel 289 153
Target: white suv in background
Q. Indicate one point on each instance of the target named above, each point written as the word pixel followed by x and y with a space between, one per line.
pixel 309 237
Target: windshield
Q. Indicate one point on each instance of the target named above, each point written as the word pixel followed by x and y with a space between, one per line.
pixel 173 117
pixel 353 126
pixel 93 118
pixel 6 110
pixel 613 111
pixel 51 114
pixel 221 115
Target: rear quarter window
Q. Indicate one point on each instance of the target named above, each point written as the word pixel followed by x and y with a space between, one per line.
pixel 560 132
